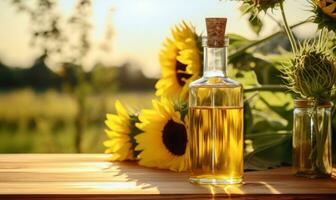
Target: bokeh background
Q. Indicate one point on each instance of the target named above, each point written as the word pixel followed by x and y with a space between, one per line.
pixel 64 63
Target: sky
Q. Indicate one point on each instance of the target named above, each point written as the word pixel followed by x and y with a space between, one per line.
pixel 140 27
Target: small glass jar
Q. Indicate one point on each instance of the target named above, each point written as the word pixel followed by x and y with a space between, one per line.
pixel 312 154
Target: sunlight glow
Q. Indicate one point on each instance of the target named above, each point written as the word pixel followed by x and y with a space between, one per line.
pixel 271 188
pixel 120 187
pixel 140 28
pixel 143 7
pixel 228 189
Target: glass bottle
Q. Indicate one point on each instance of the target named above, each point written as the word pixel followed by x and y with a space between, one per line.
pixel 216 119
pixel 312 154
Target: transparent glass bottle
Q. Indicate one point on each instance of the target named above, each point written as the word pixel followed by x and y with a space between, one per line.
pixel 312 154
pixel 216 122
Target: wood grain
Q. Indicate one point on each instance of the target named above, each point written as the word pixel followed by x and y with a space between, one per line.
pixel 90 176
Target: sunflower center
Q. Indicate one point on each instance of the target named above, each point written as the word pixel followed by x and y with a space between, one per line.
pixel 180 73
pixel 175 138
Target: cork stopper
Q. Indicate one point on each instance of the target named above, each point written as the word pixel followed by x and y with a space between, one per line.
pixel 216 31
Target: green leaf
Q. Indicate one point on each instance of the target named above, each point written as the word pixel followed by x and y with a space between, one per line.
pixel 255 24
pixel 281 104
pixel 247 78
pixel 270 149
pixel 276 60
pixel 237 41
pixel 266 121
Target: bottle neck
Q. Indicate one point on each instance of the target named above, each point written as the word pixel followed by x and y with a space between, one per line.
pixel 215 62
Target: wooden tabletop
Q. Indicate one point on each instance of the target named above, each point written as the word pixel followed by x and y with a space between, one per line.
pixel 90 176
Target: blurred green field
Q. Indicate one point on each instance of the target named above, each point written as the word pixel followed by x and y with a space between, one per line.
pixel 33 122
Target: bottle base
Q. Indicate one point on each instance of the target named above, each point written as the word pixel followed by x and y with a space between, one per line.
pixel 216 181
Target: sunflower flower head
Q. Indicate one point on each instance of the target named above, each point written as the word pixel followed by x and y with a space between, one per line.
pixel 313 70
pixel 180 62
pixel 324 14
pixel 164 139
pixel 121 131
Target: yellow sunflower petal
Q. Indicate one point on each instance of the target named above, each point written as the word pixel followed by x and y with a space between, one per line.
pixel 115 119
pixel 119 134
pixel 115 126
pixel 121 109
pixel 115 134
pixel 182 48
pixel 116 143
pixel 151 142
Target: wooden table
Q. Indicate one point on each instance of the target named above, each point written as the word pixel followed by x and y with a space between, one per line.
pixel 89 176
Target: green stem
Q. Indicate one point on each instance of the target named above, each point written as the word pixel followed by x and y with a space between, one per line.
pixel 319 139
pixel 273 88
pixel 255 43
pixel 288 29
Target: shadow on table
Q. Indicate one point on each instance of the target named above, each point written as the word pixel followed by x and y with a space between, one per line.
pixel 166 182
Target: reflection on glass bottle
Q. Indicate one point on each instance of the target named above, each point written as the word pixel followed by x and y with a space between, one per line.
pixel 216 115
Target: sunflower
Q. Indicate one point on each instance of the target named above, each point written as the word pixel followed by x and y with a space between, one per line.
pixel 180 62
pixel 324 13
pixel 312 71
pixel 121 131
pixel 163 142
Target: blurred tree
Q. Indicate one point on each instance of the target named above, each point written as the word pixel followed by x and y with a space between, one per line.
pixel 80 45
pixel 6 76
pixel 45 25
pixel 67 42
pixel 40 76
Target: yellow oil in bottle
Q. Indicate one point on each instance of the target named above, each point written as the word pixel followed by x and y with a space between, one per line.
pixel 216 115
pixel 216 139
